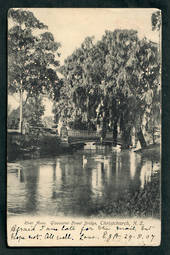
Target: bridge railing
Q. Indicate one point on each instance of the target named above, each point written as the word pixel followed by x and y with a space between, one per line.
pixel 75 134
pixel 87 134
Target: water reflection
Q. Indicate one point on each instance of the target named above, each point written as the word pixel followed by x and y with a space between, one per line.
pixel 75 184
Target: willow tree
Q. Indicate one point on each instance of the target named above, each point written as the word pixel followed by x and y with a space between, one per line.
pixel 143 79
pixel 132 70
pixel 32 57
pixel 81 72
pixel 120 44
pixel 112 82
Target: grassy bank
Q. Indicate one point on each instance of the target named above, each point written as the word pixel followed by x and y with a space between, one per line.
pixel 152 152
pixel 142 203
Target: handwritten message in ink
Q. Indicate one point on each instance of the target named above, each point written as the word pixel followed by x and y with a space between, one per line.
pixel 100 232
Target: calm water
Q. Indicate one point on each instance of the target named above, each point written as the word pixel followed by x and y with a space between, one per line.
pixel 74 184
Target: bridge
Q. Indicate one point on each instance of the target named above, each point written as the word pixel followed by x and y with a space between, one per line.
pixel 73 137
pixel 84 136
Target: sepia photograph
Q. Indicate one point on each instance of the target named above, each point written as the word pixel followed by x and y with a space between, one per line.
pixel 84 127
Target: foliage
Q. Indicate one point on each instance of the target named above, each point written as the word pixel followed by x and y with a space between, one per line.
pixel 112 82
pixel 32 56
pixel 108 84
pixel 48 121
pixel 13 119
pixel 141 203
pixel 32 113
pixel 156 20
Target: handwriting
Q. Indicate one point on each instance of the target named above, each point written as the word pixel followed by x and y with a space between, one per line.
pixel 108 232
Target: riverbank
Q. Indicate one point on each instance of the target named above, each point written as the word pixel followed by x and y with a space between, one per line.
pixel 24 147
pixel 142 203
pixel 152 151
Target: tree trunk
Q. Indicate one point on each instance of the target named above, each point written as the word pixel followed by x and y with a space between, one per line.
pixel 126 138
pixel 141 138
pixel 115 134
pixel 104 130
pixel 153 135
pixel 125 132
pixel 21 112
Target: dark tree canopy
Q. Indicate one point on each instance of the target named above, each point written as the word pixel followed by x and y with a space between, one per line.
pixel 33 59
pixel 25 17
pixel 112 82
pixel 156 20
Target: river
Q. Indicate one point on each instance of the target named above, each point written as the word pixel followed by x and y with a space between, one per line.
pixel 96 180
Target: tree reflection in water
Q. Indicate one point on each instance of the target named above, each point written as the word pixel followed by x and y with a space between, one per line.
pixel 77 184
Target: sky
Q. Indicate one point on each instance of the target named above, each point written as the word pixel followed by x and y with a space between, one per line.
pixel 71 26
